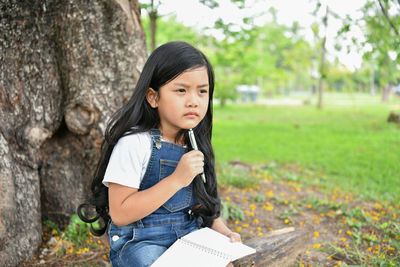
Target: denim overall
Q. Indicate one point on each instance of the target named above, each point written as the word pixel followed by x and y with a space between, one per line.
pixel 142 242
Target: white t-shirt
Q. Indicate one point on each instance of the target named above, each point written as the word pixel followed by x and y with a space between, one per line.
pixel 129 160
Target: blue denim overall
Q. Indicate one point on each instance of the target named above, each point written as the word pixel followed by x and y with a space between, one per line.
pixel 142 242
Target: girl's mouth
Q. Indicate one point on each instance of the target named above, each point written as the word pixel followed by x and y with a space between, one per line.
pixel 191 114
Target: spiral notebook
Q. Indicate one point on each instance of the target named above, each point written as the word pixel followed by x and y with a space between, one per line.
pixel 204 247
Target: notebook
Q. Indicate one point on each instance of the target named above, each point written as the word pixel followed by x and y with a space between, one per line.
pixel 204 247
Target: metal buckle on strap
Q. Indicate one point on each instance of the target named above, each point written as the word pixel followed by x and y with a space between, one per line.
pixel 158 144
pixel 190 213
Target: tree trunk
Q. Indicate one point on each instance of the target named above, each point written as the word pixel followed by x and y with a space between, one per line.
pixel 66 66
pixel 385 93
pixel 276 249
pixel 372 83
pixel 153 28
pixel 322 64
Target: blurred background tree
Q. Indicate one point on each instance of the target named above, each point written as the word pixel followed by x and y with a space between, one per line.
pixel 280 60
pixel 381 26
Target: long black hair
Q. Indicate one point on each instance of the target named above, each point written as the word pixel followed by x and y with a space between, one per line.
pixel 164 64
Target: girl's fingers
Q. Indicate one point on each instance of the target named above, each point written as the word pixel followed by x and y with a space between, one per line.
pixel 234 237
pixel 196 158
pixel 198 163
pixel 196 154
pixel 190 165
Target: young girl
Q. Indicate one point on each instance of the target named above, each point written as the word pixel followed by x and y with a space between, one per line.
pixel 148 178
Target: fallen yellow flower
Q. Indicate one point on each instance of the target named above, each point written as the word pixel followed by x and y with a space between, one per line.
pixel 316 246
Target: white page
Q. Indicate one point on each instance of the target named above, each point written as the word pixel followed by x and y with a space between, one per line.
pixel 217 241
pixel 183 255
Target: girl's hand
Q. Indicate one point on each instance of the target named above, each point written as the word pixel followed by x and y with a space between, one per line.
pixel 190 165
pixel 234 237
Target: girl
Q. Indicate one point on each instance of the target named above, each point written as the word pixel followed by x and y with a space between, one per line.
pixel 147 179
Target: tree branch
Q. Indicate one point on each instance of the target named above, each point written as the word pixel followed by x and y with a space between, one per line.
pixel 386 14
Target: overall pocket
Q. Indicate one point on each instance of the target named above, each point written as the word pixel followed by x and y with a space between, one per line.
pixel 119 236
pixel 182 198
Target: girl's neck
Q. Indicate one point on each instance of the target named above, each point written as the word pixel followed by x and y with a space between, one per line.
pixel 170 137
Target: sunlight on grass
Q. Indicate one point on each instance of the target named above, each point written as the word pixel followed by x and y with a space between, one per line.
pixel 354 146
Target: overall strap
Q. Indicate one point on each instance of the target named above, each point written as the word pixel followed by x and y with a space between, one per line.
pixel 156 137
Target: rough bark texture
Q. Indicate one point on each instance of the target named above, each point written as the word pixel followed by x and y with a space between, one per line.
pixel 66 66
pixel 279 248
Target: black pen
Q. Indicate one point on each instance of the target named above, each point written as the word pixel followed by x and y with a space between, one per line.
pixel 194 145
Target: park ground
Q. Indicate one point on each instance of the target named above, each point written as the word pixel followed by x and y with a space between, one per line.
pixel 343 230
pixel 331 174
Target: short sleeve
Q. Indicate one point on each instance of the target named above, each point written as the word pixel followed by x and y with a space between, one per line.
pixel 128 160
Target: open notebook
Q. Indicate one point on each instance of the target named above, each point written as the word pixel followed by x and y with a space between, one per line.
pixel 204 247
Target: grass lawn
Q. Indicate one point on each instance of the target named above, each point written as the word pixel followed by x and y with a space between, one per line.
pixel 345 147
pixel 353 146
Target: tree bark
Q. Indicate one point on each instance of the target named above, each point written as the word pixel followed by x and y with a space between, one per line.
pixel 278 248
pixel 66 66
pixel 153 15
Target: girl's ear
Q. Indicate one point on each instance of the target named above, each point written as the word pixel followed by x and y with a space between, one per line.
pixel 152 97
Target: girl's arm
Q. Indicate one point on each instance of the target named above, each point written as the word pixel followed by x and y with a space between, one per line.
pixel 128 205
pixel 219 226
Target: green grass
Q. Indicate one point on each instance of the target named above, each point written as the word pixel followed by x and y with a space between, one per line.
pixel 354 146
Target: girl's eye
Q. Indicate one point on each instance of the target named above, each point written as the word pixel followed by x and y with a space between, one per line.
pixel 203 91
pixel 180 90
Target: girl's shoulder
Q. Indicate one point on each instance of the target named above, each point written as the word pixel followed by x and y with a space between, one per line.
pixel 142 139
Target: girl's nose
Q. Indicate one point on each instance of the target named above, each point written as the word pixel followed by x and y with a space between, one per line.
pixel 192 100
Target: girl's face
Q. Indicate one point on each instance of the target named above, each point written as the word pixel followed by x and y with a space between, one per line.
pixel 183 102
